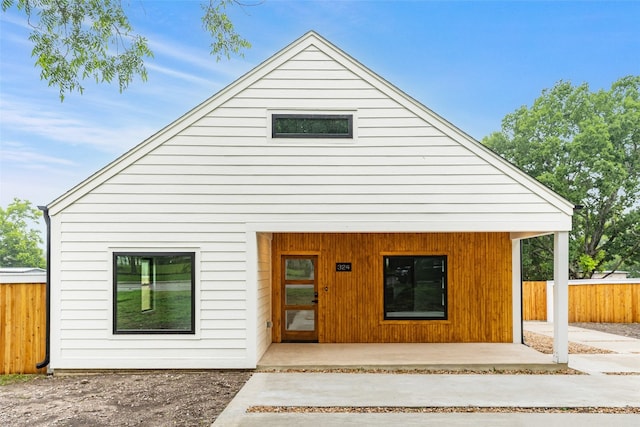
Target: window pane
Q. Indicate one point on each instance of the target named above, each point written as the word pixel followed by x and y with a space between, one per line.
pixel 154 293
pixel 299 294
pixel 299 269
pixel 312 126
pixel 415 287
pixel 300 320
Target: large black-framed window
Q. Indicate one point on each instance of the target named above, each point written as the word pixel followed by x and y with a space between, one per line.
pixel 415 287
pixel 312 126
pixel 154 293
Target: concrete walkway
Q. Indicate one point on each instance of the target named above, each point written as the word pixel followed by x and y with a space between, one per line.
pixel 322 390
pixel 407 390
pixel 625 359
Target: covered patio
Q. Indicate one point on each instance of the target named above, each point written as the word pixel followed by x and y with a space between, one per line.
pixel 404 356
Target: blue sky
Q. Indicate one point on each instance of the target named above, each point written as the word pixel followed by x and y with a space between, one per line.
pixel 470 62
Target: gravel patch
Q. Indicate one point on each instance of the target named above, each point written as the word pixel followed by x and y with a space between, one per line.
pixel 544 344
pixel 426 371
pixel 440 409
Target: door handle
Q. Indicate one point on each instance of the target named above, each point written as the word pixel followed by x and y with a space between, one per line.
pixel 314 301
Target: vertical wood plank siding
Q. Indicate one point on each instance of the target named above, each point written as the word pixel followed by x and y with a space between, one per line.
pixel 351 310
pixel 22 327
pixel 601 302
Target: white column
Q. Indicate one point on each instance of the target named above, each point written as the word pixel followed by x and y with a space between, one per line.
pixel 550 306
pixel 561 297
pixel 516 290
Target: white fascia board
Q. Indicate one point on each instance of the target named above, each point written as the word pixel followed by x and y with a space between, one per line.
pixel 534 229
pixel 521 235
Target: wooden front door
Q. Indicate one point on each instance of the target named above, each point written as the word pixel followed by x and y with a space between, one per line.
pixel 299 298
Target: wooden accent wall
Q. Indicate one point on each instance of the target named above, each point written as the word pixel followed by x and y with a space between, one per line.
pixel 534 300
pixel 351 307
pixel 22 327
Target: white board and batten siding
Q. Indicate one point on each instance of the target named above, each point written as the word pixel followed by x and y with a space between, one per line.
pixel 215 177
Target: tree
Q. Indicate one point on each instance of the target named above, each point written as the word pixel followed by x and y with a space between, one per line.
pixel 74 40
pixel 18 242
pixel 586 146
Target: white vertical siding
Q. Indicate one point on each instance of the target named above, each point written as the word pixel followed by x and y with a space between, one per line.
pixel 199 188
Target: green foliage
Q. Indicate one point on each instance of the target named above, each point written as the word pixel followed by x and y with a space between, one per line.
pixel 216 22
pixel 18 242
pixel 75 40
pixel 586 146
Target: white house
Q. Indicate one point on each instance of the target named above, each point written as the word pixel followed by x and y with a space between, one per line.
pixel 310 200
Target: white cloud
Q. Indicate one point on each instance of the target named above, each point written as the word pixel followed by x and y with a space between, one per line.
pixel 10 17
pixel 27 120
pixel 18 154
pixel 188 57
pixel 179 74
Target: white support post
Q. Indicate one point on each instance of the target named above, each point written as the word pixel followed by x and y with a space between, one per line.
pixel 516 291
pixel 550 305
pixel 561 297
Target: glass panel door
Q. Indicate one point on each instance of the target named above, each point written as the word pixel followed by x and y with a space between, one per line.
pixel 299 298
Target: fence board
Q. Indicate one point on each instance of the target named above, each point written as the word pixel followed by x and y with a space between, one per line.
pixel 22 327
pixel 534 300
pixel 598 302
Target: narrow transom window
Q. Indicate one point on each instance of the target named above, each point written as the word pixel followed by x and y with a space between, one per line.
pixel 415 287
pixel 154 293
pixel 312 126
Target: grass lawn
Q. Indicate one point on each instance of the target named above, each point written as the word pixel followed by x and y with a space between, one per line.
pixel 172 311
pixel 17 378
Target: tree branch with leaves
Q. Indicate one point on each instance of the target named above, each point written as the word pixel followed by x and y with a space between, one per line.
pixel 76 40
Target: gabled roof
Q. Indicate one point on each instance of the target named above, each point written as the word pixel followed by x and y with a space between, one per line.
pixel 309 39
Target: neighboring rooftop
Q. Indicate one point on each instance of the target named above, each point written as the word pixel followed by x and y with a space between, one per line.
pixel 23 275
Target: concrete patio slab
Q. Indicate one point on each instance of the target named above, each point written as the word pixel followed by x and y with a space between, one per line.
pixel 405 356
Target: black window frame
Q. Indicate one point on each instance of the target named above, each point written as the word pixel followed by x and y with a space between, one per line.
pixel 192 320
pixel 348 117
pixel 444 259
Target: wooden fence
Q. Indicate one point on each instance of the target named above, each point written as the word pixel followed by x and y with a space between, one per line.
pixel 589 301
pixel 534 300
pixel 22 327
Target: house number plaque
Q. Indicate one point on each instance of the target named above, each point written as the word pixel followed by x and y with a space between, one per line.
pixel 343 266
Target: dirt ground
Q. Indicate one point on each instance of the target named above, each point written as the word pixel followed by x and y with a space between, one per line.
pixel 168 398
pixel 171 398
pixel 631 330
